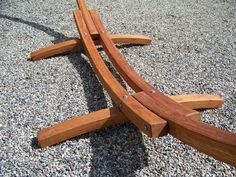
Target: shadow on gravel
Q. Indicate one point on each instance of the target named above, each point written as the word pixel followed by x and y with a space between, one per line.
pixel 57 36
pixel 34 143
pixel 118 150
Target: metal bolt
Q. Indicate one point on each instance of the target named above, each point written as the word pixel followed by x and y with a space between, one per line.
pixel 85 34
pixel 146 128
pixel 125 96
pixel 152 91
pixel 103 31
pixel 120 106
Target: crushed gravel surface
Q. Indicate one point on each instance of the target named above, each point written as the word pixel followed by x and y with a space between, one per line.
pixel 193 51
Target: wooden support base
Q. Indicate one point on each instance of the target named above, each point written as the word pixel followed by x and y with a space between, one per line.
pixel 79 125
pixel 148 109
pixel 76 44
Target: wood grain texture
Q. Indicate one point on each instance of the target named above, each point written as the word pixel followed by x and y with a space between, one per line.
pixel 55 49
pixel 75 44
pixel 131 76
pixel 145 120
pixel 79 125
pixel 199 101
pixel 87 18
pixel 213 141
pixel 130 39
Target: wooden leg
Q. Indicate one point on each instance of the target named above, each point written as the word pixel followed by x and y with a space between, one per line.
pixel 199 101
pixel 79 125
pixel 75 44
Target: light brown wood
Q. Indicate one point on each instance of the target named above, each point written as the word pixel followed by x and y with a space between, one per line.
pixel 56 49
pixel 199 101
pixel 79 125
pixel 145 120
pixel 76 44
pixel 149 109
pixel 213 141
pixel 136 82
pixel 87 18
pixel 130 39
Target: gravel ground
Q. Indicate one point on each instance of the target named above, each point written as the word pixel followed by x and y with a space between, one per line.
pixel 193 51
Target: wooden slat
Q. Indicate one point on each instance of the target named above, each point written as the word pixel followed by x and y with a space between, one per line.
pixel 130 39
pixel 75 44
pixel 144 119
pixel 55 49
pixel 79 125
pixel 213 141
pixel 130 75
pixel 199 101
pixel 87 17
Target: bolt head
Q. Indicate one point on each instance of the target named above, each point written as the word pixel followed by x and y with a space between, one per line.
pixel 146 128
pixel 152 91
pixel 125 96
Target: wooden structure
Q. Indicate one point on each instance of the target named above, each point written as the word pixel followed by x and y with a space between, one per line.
pixel 150 110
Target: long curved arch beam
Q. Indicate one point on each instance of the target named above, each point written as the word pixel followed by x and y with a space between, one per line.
pixel 213 141
pixel 151 111
pixel 79 125
pixel 131 76
pixel 145 120
pixel 76 44
pixel 208 139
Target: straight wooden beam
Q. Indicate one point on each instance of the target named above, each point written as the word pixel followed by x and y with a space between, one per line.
pixel 79 125
pixel 76 44
pixel 199 101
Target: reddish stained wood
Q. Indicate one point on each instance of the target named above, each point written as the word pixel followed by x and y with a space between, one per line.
pixel 79 125
pixel 130 75
pixel 204 101
pixel 144 119
pixel 213 141
pixel 87 18
pixel 75 44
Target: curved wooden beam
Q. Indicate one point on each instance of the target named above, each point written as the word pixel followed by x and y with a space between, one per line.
pixel 145 120
pixel 136 82
pixel 210 140
pixel 213 141
pixel 79 125
pixel 76 44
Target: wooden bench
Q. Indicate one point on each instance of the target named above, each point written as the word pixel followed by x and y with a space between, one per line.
pixel 150 110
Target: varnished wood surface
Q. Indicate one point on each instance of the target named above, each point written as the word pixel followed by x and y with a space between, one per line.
pixel 199 101
pixel 75 44
pixel 130 39
pixel 79 125
pixel 145 120
pixel 87 18
pixel 55 49
pixel 130 75
pixel 213 141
